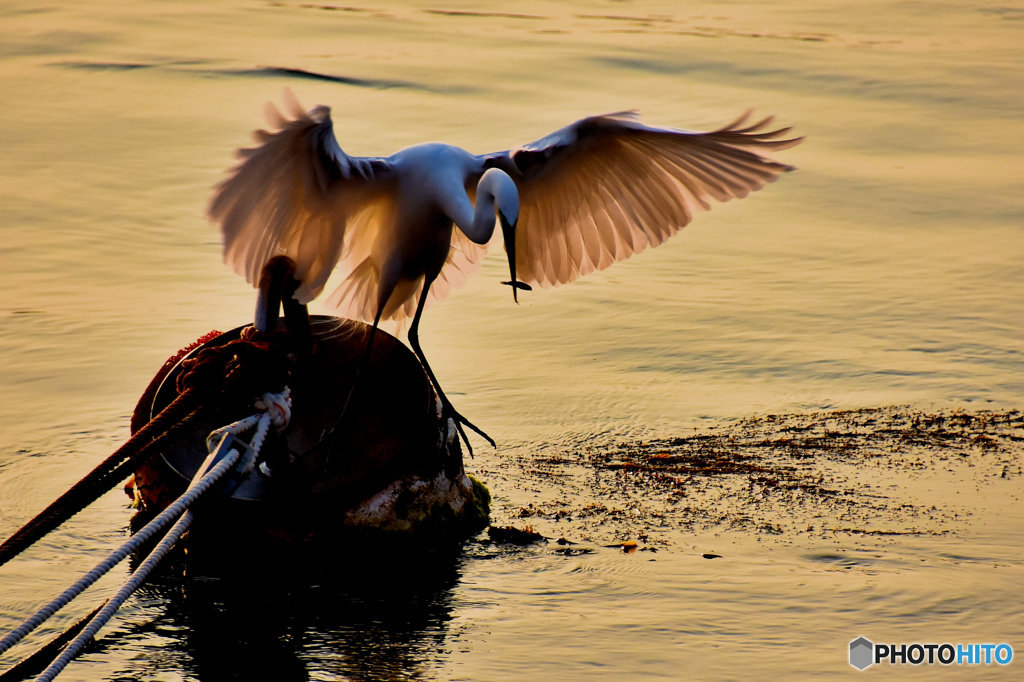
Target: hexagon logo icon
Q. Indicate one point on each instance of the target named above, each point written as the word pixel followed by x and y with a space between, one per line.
pixel 861 653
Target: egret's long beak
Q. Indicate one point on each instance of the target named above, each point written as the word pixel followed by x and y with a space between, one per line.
pixel 508 231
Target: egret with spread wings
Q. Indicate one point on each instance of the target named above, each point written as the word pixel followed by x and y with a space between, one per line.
pixel 407 228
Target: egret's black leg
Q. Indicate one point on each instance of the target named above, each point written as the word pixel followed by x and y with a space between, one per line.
pixel 414 341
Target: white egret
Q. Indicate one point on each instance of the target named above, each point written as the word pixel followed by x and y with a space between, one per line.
pixel 409 227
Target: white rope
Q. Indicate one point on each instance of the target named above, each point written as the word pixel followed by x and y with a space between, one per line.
pixel 276 410
pixel 117 556
pixel 107 612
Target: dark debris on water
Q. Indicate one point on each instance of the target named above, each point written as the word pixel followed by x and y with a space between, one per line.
pixel 824 474
pixel 514 536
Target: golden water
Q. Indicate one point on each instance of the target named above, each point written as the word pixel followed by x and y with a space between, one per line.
pixel 886 271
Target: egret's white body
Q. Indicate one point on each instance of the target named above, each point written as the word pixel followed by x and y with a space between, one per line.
pixel 413 225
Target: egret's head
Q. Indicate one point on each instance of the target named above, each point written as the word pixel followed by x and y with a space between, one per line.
pixel 506 202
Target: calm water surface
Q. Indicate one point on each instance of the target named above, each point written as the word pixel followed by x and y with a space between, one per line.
pixel 886 271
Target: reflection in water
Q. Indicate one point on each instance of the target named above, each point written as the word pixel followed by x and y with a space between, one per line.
pixel 204 69
pixel 354 614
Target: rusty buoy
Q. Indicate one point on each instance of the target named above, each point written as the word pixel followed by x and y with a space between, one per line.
pixel 367 451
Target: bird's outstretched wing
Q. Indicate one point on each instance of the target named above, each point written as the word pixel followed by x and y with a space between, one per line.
pixel 606 187
pixel 298 194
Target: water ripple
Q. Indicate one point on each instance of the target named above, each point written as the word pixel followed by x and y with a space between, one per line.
pixel 269 71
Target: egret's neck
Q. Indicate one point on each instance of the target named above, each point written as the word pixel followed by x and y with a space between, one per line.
pixel 495 191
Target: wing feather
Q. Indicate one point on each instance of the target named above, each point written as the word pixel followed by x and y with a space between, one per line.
pixel 295 194
pixel 357 293
pixel 607 187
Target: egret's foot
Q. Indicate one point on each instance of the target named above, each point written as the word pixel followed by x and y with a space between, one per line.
pixel 459 420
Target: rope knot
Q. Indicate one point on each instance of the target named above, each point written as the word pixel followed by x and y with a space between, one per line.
pixel 278 406
pixel 274 408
